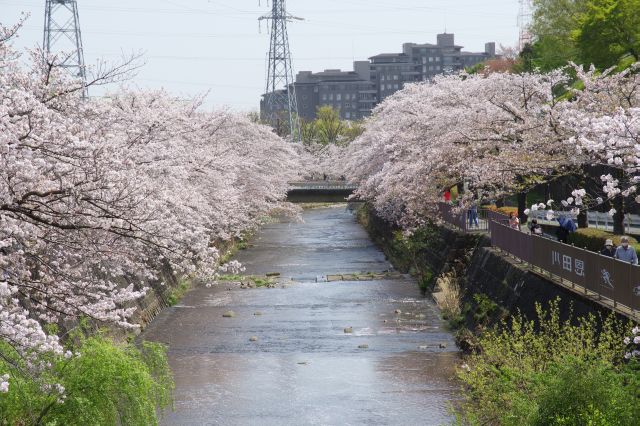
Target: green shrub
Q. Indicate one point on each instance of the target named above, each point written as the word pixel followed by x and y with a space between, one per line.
pixel 504 210
pixel 550 372
pixel 593 239
pixel 108 384
pixel 177 293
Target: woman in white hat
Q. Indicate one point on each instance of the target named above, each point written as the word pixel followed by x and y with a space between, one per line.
pixel 609 249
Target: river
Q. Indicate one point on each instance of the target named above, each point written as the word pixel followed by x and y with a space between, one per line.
pixel 393 368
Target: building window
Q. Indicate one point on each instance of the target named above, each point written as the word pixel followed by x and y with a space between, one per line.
pixel 347 115
pixel 330 96
pixel 395 86
pixel 430 58
pixel 395 76
pixel 304 97
pixel 437 58
pixel 382 77
pixel 347 105
pixel 324 96
pixel 338 96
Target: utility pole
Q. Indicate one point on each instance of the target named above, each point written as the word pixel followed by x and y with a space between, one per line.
pixel 280 72
pixel 524 22
pixel 62 37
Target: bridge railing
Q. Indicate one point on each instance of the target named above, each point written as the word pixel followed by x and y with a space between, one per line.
pixel 323 185
pixel 467 220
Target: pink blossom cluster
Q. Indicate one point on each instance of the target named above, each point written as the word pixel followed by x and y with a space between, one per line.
pixel 495 134
pixel 98 196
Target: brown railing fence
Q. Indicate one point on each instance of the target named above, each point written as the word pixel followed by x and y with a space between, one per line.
pixel 602 276
pixel 606 277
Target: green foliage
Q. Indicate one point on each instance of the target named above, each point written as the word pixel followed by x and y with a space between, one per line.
pixel 551 372
pixel 177 293
pixel 554 21
pixel 593 239
pixel 485 309
pixel 607 31
pixel 327 128
pixel 109 383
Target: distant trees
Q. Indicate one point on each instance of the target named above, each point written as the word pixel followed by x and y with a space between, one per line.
pixel 328 128
pixel 599 32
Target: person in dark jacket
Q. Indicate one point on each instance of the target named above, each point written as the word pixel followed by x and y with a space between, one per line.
pixel 535 228
pixel 608 250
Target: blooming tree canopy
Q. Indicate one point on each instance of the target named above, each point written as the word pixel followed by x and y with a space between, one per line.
pixel 97 197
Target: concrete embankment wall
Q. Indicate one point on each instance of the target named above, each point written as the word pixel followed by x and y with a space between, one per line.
pixel 493 286
pixel 165 287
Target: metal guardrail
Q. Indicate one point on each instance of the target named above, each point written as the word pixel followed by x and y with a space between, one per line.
pixel 469 220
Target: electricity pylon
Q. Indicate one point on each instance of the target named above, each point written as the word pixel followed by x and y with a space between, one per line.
pixel 524 23
pixel 62 37
pixel 280 93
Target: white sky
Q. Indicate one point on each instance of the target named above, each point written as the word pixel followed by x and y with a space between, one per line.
pixel 194 46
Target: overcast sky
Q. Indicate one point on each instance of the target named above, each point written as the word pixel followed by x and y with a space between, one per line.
pixel 194 46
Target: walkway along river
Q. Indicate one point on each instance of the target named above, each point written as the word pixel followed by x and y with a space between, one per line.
pixel 394 368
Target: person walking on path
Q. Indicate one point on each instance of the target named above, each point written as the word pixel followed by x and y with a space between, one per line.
pixel 535 228
pixel 567 225
pixel 472 214
pixel 514 222
pixel 608 249
pixel 625 252
pixel 447 196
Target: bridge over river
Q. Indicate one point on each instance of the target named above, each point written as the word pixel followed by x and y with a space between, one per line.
pixel 320 348
pixel 326 191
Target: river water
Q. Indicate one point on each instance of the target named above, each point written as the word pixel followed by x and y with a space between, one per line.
pixel 303 369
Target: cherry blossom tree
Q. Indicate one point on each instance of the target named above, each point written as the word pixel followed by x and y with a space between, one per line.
pixel 498 133
pixel 98 197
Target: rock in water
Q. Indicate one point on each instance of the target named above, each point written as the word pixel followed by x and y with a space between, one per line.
pixel 253 339
pixel 257 313
pixel 364 346
pixel 398 311
pixel 442 345
pixel 348 330
pixel 229 314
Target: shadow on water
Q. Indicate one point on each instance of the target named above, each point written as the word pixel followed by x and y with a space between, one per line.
pixel 303 369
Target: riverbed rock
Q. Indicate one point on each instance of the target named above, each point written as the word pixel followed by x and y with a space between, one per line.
pixel 442 345
pixel 253 339
pixel 363 346
pixel 229 314
pixel 257 313
pixel 422 347
pixel 398 311
pixel 348 330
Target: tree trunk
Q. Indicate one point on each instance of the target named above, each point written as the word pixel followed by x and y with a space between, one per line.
pixel 582 219
pixel 618 217
pixel 522 206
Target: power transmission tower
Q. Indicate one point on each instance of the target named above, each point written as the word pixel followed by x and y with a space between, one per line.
pixel 280 93
pixel 524 23
pixel 62 37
